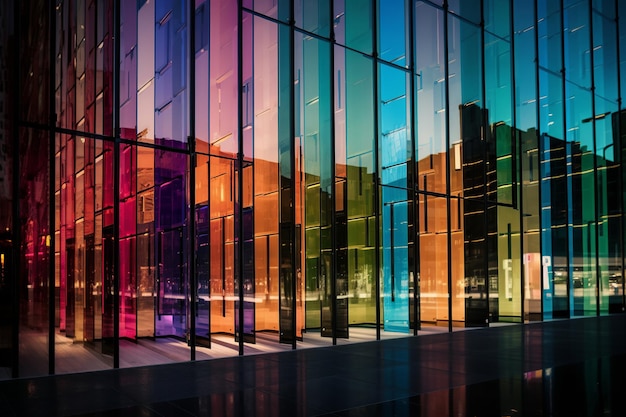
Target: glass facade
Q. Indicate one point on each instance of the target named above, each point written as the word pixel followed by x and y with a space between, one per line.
pixel 182 180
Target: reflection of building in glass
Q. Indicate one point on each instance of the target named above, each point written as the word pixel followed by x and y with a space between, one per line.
pixel 196 179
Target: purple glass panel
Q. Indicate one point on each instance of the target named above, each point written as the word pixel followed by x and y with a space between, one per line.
pixel 170 214
pixel 170 98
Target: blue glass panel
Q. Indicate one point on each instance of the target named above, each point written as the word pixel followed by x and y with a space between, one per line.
pixel 392 33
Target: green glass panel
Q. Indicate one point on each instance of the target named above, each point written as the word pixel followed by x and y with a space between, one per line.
pixel 312 101
pixel 356 128
pixel 353 24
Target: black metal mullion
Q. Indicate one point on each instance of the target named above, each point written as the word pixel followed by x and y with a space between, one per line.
pixel 191 141
pixel 537 137
pixel 51 186
pixel 517 144
pixel 239 206
pixel 618 152
pixel 447 124
pixel 485 141
pixel 414 177
pixel 377 210
pixel 292 148
pixel 333 197
pixel 116 184
pixel 16 240
pixel 564 109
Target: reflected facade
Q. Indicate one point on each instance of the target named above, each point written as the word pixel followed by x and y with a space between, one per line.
pixel 186 179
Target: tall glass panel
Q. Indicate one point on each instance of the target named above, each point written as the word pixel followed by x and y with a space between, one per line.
pixel 503 146
pixel 222 147
pixel 430 86
pixel 202 188
pixel 555 174
pixel 580 135
pixel 290 196
pixel 245 192
pixel 128 242
pixel 607 159
pixel 170 168
pixel 471 168
pixel 433 255
pixel 354 184
pixel 35 251
pixel 395 153
pixel 313 131
pixel 608 209
pixel 555 164
pixel 526 131
pixel 31 228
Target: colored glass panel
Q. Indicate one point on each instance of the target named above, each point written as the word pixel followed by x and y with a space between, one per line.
pixel 394 156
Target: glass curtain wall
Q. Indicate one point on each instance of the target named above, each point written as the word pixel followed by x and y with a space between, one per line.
pixel 195 179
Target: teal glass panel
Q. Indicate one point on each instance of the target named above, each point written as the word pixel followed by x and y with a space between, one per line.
pixel 498 98
pixel 394 155
pixel 430 92
pixel 608 207
pixel 524 58
pixel 497 17
pixel 392 31
pixel 468 9
pixel 605 57
pixel 582 193
pixel 313 16
pixel 549 34
pixel 353 24
pixel 551 117
pixel 555 177
pixel 606 8
pixel 502 144
pixel 396 274
pixel 576 43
